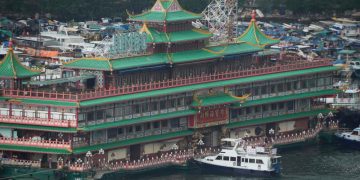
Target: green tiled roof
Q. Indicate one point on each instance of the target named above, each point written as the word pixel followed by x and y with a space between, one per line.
pixel 237 48
pixel 41 102
pixel 133 141
pixel 274 119
pixel 195 87
pixel 10 67
pixel 161 12
pixel 286 98
pixel 33 149
pixel 214 100
pixel 155 36
pixel 192 55
pixel 41 128
pixel 140 61
pixel 138 120
pixel 161 58
pixel 90 63
pixel 254 36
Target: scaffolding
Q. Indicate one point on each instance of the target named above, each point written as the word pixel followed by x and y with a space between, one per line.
pixel 221 17
pixel 121 45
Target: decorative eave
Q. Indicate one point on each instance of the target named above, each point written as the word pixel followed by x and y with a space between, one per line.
pixel 11 68
pixel 254 36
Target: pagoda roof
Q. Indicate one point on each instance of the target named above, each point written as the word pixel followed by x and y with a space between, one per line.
pixel 102 64
pixel 154 36
pixel 165 11
pixel 10 67
pixel 254 36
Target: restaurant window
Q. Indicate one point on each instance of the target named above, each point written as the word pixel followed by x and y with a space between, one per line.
pixel 147 126
pixel 291 105
pixel 174 123
pixel 264 89
pixel 280 87
pixel 289 86
pixel 273 88
pixel 164 124
pixel 274 107
pixel 281 105
pixel 99 114
pixel 130 129
pixel 312 83
pixel 90 116
pixel 120 131
pixel 138 128
pixel 156 125
pixel 154 105
pixel 112 133
pixel 248 110
pixel 257 109
pixel 136 108
pixel 163 104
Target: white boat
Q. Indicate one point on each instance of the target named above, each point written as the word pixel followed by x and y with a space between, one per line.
pixel 350 138
pixel 238 158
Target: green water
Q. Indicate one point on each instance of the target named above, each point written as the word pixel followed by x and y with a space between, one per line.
pixel 328 162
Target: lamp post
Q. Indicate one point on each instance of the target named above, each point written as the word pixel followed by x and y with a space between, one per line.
pixel 88 159
pixel 271 133
pixel 175 147
pixel 200 144
pixel 60 162
pixel 101 152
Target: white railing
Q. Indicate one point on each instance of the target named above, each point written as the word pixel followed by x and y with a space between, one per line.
pixel 36 143
pixel 20 162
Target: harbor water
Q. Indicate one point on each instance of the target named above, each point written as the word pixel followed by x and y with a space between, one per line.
pixel 330 162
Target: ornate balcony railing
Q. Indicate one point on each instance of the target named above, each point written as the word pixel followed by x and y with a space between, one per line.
pixel 41 95
pixel 20 162
pixel 37 121
pixel 36 143
pixel 136 88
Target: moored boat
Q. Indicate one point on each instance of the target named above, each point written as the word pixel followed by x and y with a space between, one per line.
pixel 350 138
pixel 238 158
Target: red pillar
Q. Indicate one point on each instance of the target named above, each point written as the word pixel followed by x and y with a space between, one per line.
pixel 49 112
pixel 77 116
pixel 10 109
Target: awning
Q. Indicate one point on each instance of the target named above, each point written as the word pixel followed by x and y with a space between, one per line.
pixel 347 52
pixel 60 80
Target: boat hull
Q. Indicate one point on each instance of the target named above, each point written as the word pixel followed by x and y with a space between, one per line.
pixel 347 142
pixel 210 168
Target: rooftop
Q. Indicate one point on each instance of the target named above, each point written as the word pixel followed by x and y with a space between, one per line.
pixel 254 36
pixel 165 11
pixel 10 67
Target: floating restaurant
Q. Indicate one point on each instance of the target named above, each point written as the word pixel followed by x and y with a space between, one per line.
pixel 173 89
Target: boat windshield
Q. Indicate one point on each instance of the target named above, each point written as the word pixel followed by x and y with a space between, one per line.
pixel 228 145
